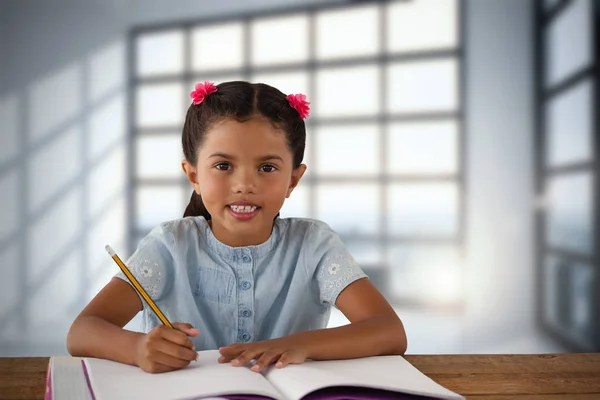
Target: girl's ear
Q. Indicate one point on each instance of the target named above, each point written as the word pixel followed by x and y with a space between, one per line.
pixel 192 174
pixel 297 174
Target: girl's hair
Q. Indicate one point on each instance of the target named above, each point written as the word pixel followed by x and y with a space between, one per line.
pixel 241 101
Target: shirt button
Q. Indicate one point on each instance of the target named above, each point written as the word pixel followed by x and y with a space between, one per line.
pixel 245 313
pixel 245 337
pixel 246 258
pixel 245 285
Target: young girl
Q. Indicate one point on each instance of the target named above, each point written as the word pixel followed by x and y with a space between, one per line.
pixel 245 281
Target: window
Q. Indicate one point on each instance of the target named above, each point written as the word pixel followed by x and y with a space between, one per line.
pixel 385 137
pixel 568 179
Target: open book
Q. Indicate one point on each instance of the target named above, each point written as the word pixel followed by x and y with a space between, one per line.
pixel 381 378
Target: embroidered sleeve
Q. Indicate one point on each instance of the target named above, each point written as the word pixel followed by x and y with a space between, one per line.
pixel 150 264
pixel 335 266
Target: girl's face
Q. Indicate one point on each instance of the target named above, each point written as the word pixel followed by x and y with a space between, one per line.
pixel 244 173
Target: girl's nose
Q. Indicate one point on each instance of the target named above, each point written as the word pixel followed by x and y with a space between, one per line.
pixel 244 182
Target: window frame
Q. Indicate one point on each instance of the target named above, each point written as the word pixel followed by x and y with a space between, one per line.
pixel 384 240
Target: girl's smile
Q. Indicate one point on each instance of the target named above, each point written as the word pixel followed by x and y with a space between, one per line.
pixel 243 211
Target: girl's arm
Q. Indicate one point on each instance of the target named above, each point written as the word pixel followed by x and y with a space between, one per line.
pixel 97 330
pixel 375 329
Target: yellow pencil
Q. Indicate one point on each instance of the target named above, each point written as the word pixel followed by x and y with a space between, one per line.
pixel 138 287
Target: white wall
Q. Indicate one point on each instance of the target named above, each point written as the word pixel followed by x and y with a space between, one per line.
pixel 500 174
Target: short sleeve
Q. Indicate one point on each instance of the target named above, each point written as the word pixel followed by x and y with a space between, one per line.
pixel 152 264
pixel 335 268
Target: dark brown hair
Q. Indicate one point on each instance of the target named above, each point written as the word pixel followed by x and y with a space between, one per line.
pixel 241 101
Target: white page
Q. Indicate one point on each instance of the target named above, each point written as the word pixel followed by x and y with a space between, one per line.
pixel 114 381
pixel 68 381
pixel 382 372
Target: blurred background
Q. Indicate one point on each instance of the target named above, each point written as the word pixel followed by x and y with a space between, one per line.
pixel 453 144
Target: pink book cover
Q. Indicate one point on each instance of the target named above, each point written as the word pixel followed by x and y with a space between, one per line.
pixel 48 393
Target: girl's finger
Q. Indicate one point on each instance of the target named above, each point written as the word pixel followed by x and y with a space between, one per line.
pixel 265 360
pixel 285 359
pixel 186 328
pixel 177 351
pixel 169 361
pixel 230 352
pixel 245 357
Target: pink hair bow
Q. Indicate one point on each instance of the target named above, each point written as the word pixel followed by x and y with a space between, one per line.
pixel 201 91
pixel 299 103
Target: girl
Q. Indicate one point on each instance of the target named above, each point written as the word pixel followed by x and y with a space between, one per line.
pixel 251 284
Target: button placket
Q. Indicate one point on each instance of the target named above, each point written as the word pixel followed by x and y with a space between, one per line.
pixel 245 296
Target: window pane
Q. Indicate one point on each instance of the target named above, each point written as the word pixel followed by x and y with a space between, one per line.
pixel 347 150
pixel 335 40
pixel 569 298
pixel 423 209
pixel 570 212
pixel 349 208
pixel 569 124
pixel 337 98
pixel 569 44
pixel 296 205
pixel 288 82
pixel 422 25
pixel 160 105
pixel 309 158
pixel 430 273
pixel 160 53
pixel 159 204
pixel 423 148
pixel 279 40
pixel 216 78
pixel 217 46
pixel 423 86
pixel 367 253
pixel 159 156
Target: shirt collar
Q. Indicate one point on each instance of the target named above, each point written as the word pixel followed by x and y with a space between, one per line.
pixel 235 253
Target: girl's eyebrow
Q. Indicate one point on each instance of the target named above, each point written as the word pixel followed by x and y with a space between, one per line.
pixel 266 157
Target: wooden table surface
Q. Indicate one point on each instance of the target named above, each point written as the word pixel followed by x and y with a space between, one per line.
pixel 493 377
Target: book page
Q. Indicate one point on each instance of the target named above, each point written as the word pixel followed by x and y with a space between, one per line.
pixel 205 378
pixel 67 379
pixel 392 373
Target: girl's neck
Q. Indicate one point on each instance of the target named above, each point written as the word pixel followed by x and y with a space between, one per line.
pixel 233 239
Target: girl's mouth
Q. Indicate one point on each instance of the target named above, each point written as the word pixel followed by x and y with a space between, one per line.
pixel 243 212
pixel 243 209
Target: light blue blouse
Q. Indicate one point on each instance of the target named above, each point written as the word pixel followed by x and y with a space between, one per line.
pixel 242 294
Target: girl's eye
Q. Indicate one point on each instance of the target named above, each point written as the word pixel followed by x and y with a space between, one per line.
pixel 223 166
pixel 267 168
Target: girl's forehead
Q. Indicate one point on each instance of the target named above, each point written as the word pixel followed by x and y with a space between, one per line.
pixel 255 136
pixel 253 130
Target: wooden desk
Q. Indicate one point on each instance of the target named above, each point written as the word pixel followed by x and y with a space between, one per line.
pixel 493 377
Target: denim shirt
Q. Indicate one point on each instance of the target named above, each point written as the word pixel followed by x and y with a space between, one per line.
pixel 242 294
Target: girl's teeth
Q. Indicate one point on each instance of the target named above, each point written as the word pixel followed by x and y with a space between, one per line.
pixel 243 209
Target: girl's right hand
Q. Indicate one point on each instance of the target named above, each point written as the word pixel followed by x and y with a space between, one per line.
pixel 165 349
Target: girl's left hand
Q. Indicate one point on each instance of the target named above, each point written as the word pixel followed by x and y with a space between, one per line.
pixel 281 352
